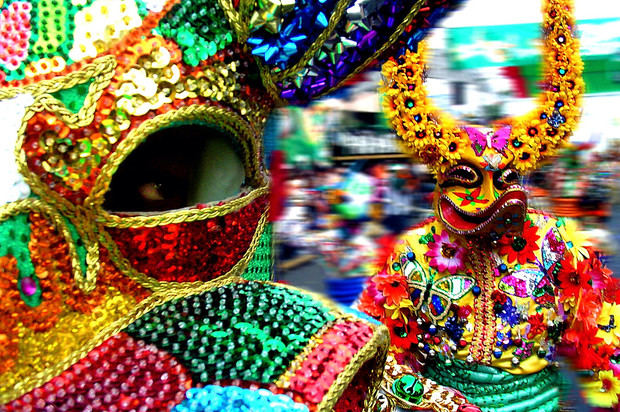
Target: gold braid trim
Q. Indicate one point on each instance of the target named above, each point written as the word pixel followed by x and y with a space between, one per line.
pixel 268 82
pixel 36 205
pixel 234 19
pixel 101 70
pixel 481 349
pixel 334 19
pixel 378 343
pixel 436 397
pixel 180 216
pixel 112 329
pixel 376 349
pixel 227 119
pixel 284 379
pixel 399 30
pixel 166 287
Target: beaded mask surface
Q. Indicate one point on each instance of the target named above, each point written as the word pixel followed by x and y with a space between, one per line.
pixel 85 85
pixel 479 169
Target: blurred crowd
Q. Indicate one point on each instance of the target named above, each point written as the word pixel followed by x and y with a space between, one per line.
pixel 347 216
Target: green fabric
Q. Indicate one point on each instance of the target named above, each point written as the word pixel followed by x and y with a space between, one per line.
pixel 496 390
pixel 261 265
pixel 250 331
pixel 199 27
pixel 14 239
pixel 73 98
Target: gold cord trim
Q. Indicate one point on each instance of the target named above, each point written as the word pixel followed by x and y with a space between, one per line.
pixel 376 348
pixel 225 118
pixel 36 205
pixel 334 19
pixel 180 216
pixel 234 19
pixel 284 379
pixel 112 329
pixel 175 288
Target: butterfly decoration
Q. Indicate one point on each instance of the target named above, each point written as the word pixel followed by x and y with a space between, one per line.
pixel 532 283
pixel 553 248
pixel 498 140
pixel 430 295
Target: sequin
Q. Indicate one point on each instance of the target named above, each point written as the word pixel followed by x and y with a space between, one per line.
pixel 217 398
pixel 14 34
pixel 321 367
pixel 101 23
pixel 249 331
pixel 199 27
pixel 176 252
pixel 120 374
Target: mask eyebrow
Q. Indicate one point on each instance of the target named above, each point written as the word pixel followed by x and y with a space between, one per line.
pixel 462 181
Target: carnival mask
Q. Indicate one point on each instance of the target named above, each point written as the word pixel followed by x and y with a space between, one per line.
pixel 479 170
pixel 482 192
pixel 133 158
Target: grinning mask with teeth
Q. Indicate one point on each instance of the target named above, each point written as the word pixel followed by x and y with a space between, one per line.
pixel 482 192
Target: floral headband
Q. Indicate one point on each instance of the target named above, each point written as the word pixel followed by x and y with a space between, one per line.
pixel 436 139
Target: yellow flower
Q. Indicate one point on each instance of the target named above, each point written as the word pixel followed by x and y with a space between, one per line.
pixel 575 240
pixel 612 335
pixel 396 310
pixel 603 392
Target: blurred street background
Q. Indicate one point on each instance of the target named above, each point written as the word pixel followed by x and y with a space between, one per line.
pixel 344 190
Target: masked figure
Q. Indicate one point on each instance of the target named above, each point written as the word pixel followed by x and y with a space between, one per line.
pixel 135 248
pixel 481 298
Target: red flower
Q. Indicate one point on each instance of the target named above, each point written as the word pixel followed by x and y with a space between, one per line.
pixel 586 314
pixel 588 356
pixel 520 247
pixel 464 311
pixel 571 279
pixel 473 197
pixel 404 335
pixel 369 305
pixel 499 297
pixel 392 287
pixel 537 325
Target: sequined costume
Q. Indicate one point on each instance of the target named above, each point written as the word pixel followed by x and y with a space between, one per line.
pixel 103 309
pixel 482 298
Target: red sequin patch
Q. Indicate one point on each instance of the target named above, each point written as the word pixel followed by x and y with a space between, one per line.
pixel 121 374
pixel 320 369
pixel 354 396
pixel 191 251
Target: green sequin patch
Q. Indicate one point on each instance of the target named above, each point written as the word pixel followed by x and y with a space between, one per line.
pixel 261 265
pixel 249 331
pixel 73 97
pixel 14 239
pixel 199 27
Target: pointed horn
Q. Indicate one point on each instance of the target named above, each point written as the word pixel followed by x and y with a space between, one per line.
pixel 543 130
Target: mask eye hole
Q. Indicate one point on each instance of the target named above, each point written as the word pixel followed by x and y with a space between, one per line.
pixel 178 167
pixel 505 178
pixel 462 175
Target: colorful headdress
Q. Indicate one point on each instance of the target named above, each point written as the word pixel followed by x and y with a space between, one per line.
pixel 438 140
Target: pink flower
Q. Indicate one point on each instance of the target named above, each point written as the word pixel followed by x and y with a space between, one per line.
pixel 445 255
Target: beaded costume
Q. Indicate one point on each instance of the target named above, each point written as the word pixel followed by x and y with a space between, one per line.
pixel 482 298
pixel 109 310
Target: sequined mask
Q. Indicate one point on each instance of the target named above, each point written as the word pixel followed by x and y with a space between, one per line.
pixel 89 86
pixel 482 194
